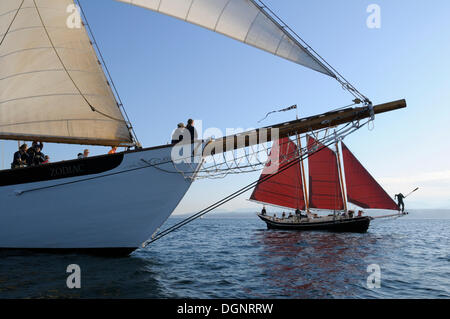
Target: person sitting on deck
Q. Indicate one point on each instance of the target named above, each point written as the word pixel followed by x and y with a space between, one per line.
pixel 39 157
pixel 298 212
pixel 35 145
pixel 84 155
pixel 20 157
pixel 113 150
pixel 290 215
pixel 35 156
pixel 177 135
pixel 283 216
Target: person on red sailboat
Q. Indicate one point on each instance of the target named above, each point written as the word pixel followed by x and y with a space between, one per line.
pixel 401 204
pixel 264 212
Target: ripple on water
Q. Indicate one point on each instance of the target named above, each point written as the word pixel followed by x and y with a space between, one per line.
pixel 238 258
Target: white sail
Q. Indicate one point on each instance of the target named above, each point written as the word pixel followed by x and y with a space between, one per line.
pixel 242 20
pixel 52 87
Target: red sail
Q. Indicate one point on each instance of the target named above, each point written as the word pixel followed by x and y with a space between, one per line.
pixel 362 189
pixel 285 188
pixel 324 185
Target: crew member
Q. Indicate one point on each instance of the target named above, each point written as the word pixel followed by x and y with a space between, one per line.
pixel 20 158
pixel 113 150
pixel 177 135
pixel 35 156
pixel 190 127
pixel 263 212
pixel 401 204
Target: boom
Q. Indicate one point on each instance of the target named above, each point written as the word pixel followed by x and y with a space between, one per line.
pixel 304 125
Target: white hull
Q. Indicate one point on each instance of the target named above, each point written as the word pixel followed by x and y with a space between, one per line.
pixel 119 208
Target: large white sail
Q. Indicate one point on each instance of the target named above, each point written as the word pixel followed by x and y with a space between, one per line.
pixel 243 20
pixel 52 87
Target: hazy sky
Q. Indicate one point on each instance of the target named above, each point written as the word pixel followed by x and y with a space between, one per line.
pixel 167 71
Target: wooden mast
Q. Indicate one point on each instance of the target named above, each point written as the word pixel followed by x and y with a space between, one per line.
pixel 302 169
pixel 341 178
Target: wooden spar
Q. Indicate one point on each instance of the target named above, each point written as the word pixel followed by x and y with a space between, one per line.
pixel 341 177
pixel 300 126
pixel 65 140
pixel 302 169
pixel 389 216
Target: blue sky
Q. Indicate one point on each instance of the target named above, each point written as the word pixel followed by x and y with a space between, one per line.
pixel 167 71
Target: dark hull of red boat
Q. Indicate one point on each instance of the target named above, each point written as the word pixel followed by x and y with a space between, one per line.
pixel 353 225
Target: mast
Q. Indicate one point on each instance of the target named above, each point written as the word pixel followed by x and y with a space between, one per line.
pixel 341 177
pixel 302 169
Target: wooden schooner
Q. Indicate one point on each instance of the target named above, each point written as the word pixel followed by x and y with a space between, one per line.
pixel 328 189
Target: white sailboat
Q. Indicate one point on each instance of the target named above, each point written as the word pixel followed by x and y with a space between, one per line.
pixel 53 89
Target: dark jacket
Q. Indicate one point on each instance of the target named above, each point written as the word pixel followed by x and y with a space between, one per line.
pixel 19 159
pixel 35 157
pixel 192 131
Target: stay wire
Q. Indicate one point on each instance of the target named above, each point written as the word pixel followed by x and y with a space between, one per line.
pixel 235 194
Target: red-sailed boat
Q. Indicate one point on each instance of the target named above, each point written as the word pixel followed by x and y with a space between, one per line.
pixel 329 190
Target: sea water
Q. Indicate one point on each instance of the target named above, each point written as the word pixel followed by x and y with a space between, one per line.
pixel 237 257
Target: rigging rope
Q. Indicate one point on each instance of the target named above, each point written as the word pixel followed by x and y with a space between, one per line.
pixel 10 25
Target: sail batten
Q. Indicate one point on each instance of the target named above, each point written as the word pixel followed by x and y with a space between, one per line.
pixel 50 78
pixel 285 188
pixel 242 20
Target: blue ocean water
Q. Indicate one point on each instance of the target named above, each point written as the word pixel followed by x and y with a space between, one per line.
pixel 240 258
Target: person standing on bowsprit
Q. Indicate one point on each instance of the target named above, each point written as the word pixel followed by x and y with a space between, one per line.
pixel 401 204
